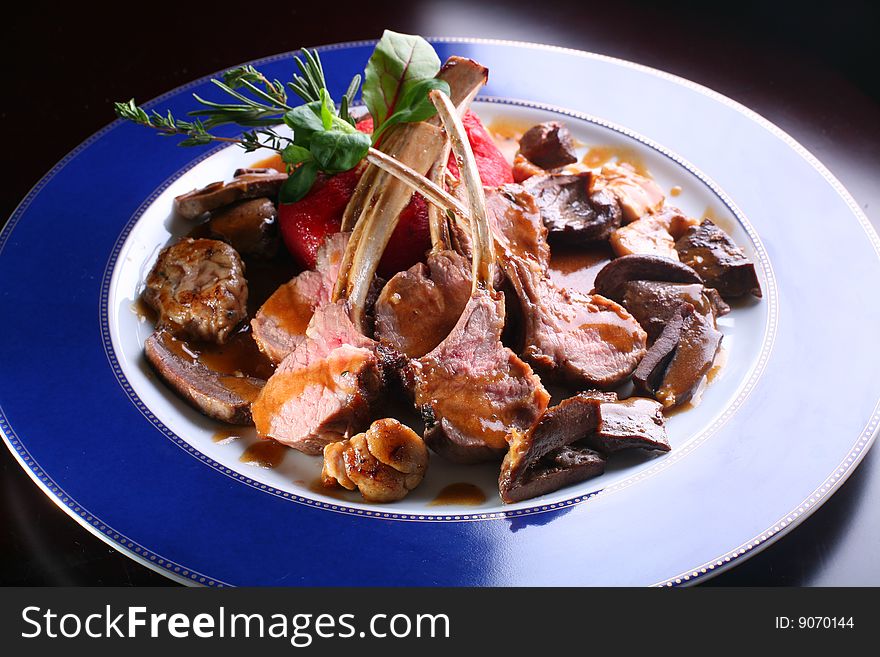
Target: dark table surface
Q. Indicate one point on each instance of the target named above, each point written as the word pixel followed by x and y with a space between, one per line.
pixel 810 71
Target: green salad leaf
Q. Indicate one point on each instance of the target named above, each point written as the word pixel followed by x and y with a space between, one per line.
pixel 399 75
pixel 399 62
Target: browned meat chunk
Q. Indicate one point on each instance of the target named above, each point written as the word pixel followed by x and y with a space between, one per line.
pixel 571 211
pixel 675 221
pixel 637 195
pixel 472 391
pixel 721 263
pixel 221 396
pixel 250 227
pixel 280 324
pixel 385 463
pixel 247 183
pixel 548 145
pixel 611 278
pixel 323 390
pixel 675 365
pixel 197 287
pixel 585 340
pixel 418 307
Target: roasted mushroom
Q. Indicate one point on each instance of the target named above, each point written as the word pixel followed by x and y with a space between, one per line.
pixel 385 463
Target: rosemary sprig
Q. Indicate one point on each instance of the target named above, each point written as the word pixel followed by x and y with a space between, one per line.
pixel 324 137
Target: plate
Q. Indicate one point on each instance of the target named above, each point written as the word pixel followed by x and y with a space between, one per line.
pixel 770 441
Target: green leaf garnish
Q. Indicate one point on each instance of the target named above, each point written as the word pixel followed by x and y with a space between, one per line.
pixel 299 182
pixel 398 62
pixel 399 75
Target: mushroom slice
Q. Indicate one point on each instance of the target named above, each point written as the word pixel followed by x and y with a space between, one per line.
pixel 249 226
pixel 679 359
pixel 610 279
pixel 251 183
pixel 548 145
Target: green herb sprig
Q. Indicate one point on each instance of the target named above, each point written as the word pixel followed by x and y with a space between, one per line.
pixel 399 76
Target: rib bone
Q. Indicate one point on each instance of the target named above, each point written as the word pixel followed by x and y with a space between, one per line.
pixel 379 198
pixel 484 252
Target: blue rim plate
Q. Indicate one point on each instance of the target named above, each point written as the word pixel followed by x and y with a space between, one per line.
pixel 771 440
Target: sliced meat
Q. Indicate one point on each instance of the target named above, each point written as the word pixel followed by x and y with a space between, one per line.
pixel 250 227
pixel 584 340
pixel 571 211
pixel 280 324
pixel 472 391
pixel 611 278
pixel 221 396
pixel 516 223
pixel 677 362
pixel 721 263
pixel 385 463
pixel 548 145
pixel 247 183
pixel 197 286
pixel 653 303
pixel 323 391
pixel 636 195
pixel 418 307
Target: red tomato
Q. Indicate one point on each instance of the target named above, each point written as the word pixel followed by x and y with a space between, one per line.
pixel 494 169
pixel 305 224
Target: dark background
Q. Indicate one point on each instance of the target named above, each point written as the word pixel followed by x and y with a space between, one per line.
pixel 809 68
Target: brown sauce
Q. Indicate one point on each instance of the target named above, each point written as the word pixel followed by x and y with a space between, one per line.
pixel 239 357
pixel 506 134
pixel 598 156
pixel 289 309
pixel 226 436
pixel 461 493
pixel 265 454
pixel 576 267
pixel 722 222
pixel 337 492
pixel 144 311
pixel 271 162
pixel 675 191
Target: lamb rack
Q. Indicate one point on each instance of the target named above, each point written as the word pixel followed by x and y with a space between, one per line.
pixel 471 389
pixel 324 390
